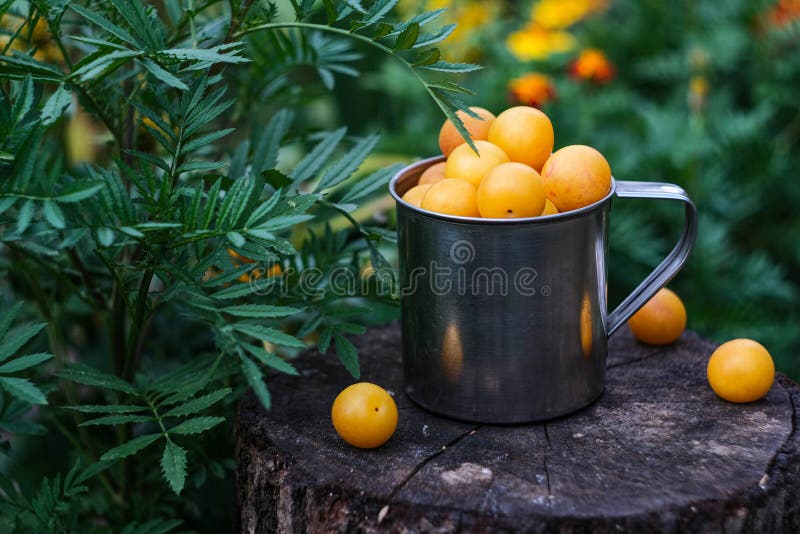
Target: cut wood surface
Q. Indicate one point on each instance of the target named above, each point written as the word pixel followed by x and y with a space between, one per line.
pixel 659 452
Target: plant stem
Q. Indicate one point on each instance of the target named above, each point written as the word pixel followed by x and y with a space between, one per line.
pixel 104 480
pixel 352 35
pixel 236 19
pixel 86 278
pixel 136 324
pixel 56 36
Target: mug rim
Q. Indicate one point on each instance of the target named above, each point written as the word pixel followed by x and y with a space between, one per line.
pixel 540 219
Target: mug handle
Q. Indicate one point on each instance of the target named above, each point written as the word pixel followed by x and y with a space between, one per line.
pixel 671 264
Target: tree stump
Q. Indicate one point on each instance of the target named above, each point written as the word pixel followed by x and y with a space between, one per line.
pixel 659 452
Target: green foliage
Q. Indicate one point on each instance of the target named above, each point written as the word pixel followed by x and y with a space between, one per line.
pixel 704 96
pixel 17 392
pixel 164 194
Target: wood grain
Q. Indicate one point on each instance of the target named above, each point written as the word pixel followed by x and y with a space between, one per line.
pixel 659 452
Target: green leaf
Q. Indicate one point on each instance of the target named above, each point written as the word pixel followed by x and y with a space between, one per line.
pixel 103 65
pixel 265 149
pixel 450 107
pixel 278 223
pixel 330 10
pixel 269 334
pixel 429 39
pixel 235 202
pixel 271 360
pixel 407 37
pixel 262 210
pixel 53 214
pixel 239 290
pixel 427 57
pixel 24 216
pixel 105 236
pixel 93 470
pixel 24 362
pixel 6 203
pixel 164 75
pixel 382 30
pixel 444 66
pixel 150 226
pixel 450 86
pixel 17 338
pixel 276 178
pixel 89 376
pixel 24 101
pixel 312 162
pixel 131 447
pixel 23 428
pixel 107 408
pixel 375 181
pixel 200 165
pixel 378 10
pixel 255 378
pixel 173 465
pixel 229 275
pixel 78 191
pixel 348 164
pixel 197 425
pixel 348 355
pixel 200 403
pixel 7 318
pixel 204 140
pixel 260 310
pixel 356 5
pixel 55 106
pixel 424 18
pixel 133 232
pixel 215 54
pixel 236 239
pixel 106 24
pixel 23 389
pixel 324 341
pixel 117 420
pixel 97 43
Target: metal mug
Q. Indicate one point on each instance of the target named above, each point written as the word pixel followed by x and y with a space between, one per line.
pixel 504 320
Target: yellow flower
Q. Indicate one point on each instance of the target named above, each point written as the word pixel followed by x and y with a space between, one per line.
pixel 469 16
pixel 698 89
pixel 592 64
pixel 533 89
pixel 38 38
pixel 559 14
pixel 85 137
pixel 535 42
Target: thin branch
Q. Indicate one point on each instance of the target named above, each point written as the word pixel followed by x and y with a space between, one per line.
pixel 136 323
pixel 86 278
pixel 352 35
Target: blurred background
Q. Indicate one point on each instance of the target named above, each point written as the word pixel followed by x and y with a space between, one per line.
pixel 701 93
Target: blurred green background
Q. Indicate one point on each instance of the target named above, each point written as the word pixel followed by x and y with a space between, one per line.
pixel 703 94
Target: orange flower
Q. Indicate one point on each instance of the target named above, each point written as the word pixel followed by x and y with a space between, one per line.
pixel 783 13
pixel 533 89
pixel 593 65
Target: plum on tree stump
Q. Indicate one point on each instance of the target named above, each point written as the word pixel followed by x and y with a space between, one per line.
pixel 659 452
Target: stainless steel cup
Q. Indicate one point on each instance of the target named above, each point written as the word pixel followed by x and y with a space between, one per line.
pixel 504 320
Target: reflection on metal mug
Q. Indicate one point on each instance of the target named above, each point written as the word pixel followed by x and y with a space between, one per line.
pixel 504 320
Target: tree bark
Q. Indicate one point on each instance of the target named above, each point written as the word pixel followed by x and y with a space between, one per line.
pixel 659 452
